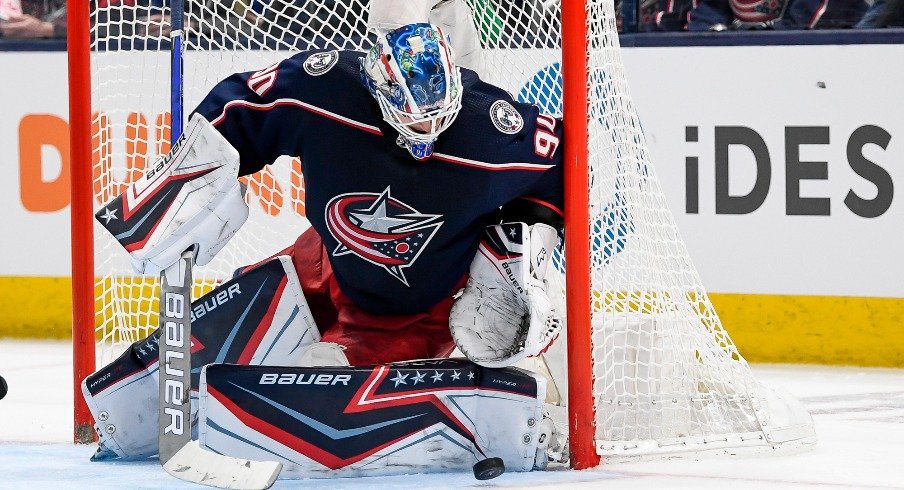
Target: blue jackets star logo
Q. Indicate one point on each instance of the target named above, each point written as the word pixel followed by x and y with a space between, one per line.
pixel 109 215
pixel 380 229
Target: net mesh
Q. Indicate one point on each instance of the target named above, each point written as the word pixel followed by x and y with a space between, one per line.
pixel 665 371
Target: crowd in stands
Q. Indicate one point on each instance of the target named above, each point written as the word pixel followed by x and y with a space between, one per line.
pixel 44 19
pixel 741 15
pixel 32 19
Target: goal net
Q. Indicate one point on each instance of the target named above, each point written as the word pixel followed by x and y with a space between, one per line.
pixel 664 376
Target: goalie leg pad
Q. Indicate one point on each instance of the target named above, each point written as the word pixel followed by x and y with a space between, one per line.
pixel 323 354
pixel 414 417
pixel 259 317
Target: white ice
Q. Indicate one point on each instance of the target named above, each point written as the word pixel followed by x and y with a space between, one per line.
pixel 859 416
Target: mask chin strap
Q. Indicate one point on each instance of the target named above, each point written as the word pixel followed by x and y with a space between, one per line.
pixel 418 149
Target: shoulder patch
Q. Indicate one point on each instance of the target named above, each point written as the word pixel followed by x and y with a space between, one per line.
pixel 320 63
pixel 505 117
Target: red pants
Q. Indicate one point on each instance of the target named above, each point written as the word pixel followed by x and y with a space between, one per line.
pixel 367 338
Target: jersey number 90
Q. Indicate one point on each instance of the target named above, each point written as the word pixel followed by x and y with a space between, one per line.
pixel 545 140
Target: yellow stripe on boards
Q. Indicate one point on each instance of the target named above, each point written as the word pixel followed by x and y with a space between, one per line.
pixel 766 328
pixel 41 307
pixel 850 331
pixel 36 307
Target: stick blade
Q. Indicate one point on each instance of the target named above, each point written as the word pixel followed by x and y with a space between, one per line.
pixel 193 464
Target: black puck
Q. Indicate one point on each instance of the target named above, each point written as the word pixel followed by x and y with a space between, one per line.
pixel 489 468
pixel 3 387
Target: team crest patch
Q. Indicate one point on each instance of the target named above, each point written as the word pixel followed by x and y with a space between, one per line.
pixel 320 63
pixel 380 229
pixel 505 117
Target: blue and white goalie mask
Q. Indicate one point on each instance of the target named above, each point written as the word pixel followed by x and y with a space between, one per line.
pixel 411 72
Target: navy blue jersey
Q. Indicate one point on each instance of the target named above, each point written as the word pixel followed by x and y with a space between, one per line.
pixel 399 233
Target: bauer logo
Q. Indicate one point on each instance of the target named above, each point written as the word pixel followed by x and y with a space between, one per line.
pixel 174 389
pixel 213 301
pixel 319 63
pixel 164 160
pixel 505 117
pixel 511 276
pixel 304 379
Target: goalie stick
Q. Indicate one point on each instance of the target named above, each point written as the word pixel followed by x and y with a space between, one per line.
pixel 180 456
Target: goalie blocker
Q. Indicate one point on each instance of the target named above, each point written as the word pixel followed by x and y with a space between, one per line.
pixel 414 417
pixel 189 198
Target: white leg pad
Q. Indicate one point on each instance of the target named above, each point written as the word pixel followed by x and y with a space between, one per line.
pixel 332 422
pixel 323 354
pixel 259 317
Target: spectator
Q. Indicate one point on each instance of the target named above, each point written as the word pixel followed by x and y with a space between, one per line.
pixel 664 15
pixel 39 19
pixel 290 19
pixel 883 13
pixel 150 19
pixel 654 15
pixel 720 15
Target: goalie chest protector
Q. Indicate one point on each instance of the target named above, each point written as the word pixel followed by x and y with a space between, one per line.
pixel 399 233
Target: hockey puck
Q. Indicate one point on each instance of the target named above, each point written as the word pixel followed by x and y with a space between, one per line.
pixel 489 468
pixel 3 387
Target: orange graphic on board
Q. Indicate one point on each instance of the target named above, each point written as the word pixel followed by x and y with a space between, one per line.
pixel 37 131
pixel 112 175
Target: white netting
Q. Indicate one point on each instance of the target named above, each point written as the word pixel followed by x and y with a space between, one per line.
pixel 667 377
pixel 666 373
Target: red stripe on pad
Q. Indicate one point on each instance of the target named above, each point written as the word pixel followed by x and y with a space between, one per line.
pixel 255 341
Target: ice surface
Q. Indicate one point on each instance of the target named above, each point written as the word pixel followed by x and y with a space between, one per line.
pixel 859 416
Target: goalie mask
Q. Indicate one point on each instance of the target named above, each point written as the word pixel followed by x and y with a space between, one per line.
pixel 412 74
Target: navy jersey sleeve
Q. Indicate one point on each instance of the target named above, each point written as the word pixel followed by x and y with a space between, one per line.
pixel 514 135
pixel 539 142
pixel 266 114
pixel 244 108
pixel 545 199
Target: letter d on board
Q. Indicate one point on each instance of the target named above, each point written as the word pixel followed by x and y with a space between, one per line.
pixel 35 132
pixel 725 136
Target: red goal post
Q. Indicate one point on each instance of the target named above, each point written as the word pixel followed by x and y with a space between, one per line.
pixel 577 239
pixel 82 213
pixel 651 370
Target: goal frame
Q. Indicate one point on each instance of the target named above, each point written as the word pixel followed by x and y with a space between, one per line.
pixel 574 24
pixel 78 39
pixel 581 412
pixel 574 70
pixel 576 51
